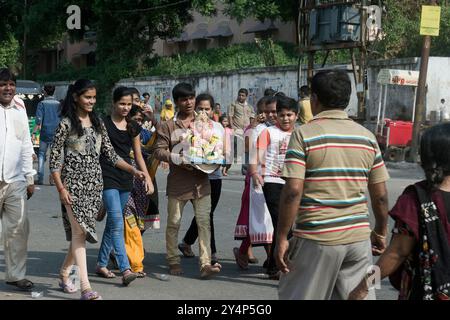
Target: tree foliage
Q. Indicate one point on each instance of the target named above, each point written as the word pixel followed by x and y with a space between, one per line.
pixel 9 52
pixel 401 30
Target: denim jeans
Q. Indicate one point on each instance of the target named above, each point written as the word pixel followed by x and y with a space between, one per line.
pixel 42 157
pixel 113 236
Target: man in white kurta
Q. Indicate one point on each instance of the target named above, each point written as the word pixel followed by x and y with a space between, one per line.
pixel 16 181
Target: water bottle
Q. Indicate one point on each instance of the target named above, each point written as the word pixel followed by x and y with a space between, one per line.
pixel 74 276
pixel 162 276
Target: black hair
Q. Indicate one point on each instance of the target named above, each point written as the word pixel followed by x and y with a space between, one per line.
pixel 204 97
pixel 243 90
pixel 120 92
pixel 272 99
pixel 69 107
pixel 286 103
pixel 7 75
pixel 135 109
pixel 146 94
pixel 332 88
pixel 269 92
pixel 222 117
pixel 304 91
pixel 49 89
pixel 435 154
pixel 260 104
pixel 182 90
pixel 134 91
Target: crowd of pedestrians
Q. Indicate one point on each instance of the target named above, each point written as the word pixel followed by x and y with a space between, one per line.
pixel 307 167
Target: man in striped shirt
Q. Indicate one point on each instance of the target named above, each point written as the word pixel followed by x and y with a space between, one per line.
pixel 329 164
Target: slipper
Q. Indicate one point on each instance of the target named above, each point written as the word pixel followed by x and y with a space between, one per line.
pixel 141 274
pixel 105 273
pixel 186 250
pixel 241 260
pixel 24 284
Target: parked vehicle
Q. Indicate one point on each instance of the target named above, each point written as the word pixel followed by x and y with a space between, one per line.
pixel 31 94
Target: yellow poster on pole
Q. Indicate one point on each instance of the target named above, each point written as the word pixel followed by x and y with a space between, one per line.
pixel 430 22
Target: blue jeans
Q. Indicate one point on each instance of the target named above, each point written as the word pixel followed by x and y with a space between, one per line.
pixel 113 236
pixel 42 157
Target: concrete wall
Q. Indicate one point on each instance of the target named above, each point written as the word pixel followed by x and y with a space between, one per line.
pixel 225 85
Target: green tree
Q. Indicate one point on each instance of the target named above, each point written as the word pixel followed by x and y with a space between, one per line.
pixel 9 52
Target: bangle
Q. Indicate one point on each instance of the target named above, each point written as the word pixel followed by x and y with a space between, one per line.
pixel 61 189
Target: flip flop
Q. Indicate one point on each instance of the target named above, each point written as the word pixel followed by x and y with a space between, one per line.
pixel 24 284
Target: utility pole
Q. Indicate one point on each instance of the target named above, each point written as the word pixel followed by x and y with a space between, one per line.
pixel 421 95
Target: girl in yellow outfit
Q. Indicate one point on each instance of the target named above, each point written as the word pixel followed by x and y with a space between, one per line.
pixel 167 111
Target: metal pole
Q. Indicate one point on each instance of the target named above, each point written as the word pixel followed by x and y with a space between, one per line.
pixel 383 113
pixel 414 105
pixel 380 104
pixel 421 95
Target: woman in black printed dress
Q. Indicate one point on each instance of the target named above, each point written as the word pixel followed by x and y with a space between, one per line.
pixel 74 162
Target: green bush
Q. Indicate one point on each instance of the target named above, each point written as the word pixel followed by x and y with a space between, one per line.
pixel 9 52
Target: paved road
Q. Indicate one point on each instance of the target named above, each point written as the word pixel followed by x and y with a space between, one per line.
pixel 47 249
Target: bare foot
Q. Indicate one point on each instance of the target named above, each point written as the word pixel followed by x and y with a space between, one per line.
pixel 175 269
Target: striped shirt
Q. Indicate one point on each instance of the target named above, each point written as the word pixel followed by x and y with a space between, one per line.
pixel 337 158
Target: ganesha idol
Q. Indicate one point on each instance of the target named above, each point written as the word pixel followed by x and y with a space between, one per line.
pixel 205 145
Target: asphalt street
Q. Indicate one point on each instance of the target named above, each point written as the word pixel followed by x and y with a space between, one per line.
pixel 47 249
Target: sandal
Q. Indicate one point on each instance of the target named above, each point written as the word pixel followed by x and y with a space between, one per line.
pixel 186 250
pixel 253 260
pixel 104 273
pixel 90 295
pixel 24 284
pixel 241 260
pixel 141 274
pixel 67 286
pixel 128 277
pixel 175 269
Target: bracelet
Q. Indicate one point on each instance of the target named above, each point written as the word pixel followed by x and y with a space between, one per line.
pixel 253 173
pixel 61 189
pixel 378 235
